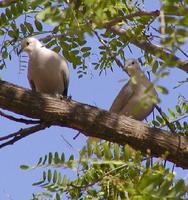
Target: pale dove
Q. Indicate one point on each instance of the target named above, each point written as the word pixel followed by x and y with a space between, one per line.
pixel 138 97
pixel 47 71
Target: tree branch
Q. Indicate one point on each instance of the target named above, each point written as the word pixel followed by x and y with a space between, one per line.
pixel 164 118
pixel 119 19
pixel 21 134
pixel 142 44
pixel 152 49
pixel 21 120
pixel 95 122
pixel 118 62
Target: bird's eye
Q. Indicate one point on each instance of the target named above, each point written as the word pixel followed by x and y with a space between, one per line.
pixel 132 62
pixel 27 43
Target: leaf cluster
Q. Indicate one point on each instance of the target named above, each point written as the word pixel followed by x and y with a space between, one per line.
pixel 106 171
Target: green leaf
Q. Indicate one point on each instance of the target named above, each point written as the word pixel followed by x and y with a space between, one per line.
pixel 70 161
pixel 56 158
pixel 14 10
pixel 36 3
pixel 23 28
pixel 63 158
pixel 55 177
pixel 38 25
pixel 171 112
pixel 39 161
pixel 49 175
pixel 20 7
pixel 4 54
pixel 13 34
pixel 155 123
pixel 42 181
pixel 178 125
pixel 89 149
pixel 44 160
pixel 50 156
pixel 64 181
pixel 162 89
pixel 185 106
pixel 116 152
pixel 86 54
pixel 57 49
pixel 24 167
pixel 2 32
pixel 85 49
pixel 155 67
pixel 107 152
pixel 8 13
pixel 178 109
pixel 29 27
pixel 160 120
pixel 57 196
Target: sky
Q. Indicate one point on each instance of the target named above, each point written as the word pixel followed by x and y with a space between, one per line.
pixel 16 184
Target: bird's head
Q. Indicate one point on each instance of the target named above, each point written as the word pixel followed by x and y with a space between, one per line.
pixel 29 44
pixel 132 67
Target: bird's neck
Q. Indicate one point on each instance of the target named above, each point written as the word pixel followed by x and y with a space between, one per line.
pixel 34 53
pixel 138 77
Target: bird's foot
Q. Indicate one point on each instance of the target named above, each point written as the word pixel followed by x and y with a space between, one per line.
pixel 69 97
pixel 65 97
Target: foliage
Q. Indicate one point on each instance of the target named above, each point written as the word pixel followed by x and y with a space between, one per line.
pixel 175 118
pixel 70 22
pixel 106 171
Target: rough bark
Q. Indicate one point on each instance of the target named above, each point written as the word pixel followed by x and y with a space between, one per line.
pixel 92 121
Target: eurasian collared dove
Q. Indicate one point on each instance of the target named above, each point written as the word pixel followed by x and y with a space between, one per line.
pixel 138 97
pixel 47 71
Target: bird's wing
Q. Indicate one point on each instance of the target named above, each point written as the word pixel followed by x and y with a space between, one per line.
pixel 31 83
pixel 65 76
pixel 122 98
pixel 33 87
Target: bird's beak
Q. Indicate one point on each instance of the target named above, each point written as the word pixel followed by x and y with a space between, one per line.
pixel 125 68
pixel 126 65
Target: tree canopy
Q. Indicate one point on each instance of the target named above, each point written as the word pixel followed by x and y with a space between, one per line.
pixel 107 169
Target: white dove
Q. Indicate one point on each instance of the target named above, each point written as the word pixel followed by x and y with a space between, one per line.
pixel 47 71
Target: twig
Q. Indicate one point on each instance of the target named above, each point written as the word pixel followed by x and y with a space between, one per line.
pixel 146 46
pixel 74 138
pixel 151 48
pixel 21 120
pixel 99 179
pixel 181 83
pixel 132 15
pixel 179 119
pixel 49 37
pixel 183 52
pixel 164 117
pixel 67 142
pixel 167 124
pixel 118 62
pixel 22 133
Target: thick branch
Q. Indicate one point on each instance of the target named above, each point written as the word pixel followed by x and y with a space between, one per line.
pixel 151 48
pixel 94 122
